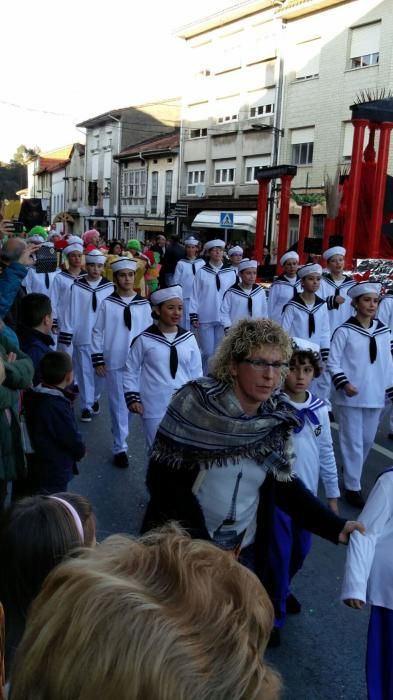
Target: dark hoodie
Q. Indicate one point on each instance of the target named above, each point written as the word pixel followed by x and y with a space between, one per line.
pixel 54 436
pixel 35 344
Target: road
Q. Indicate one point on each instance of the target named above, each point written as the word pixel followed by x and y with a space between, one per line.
pixel 322 652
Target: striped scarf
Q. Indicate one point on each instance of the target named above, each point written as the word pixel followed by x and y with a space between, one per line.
pixel 205 426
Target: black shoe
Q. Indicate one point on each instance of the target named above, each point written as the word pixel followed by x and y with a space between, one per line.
pixel 293 605
pixel 121 460
pixel 390 436
pixel 354 498
pixel 95 409
pixel 275 638
pixel 86 416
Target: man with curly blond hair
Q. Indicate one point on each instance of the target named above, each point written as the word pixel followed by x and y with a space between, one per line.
pixel 223 456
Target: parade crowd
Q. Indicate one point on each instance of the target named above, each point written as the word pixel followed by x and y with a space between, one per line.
pixel 236 384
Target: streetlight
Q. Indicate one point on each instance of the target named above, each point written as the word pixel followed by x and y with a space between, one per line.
pixel 277 133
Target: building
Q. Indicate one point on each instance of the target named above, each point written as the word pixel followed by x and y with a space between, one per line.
pixel 148 186
pixel 110 134
pixel 272 82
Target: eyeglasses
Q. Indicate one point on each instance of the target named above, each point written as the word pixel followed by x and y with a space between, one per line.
pixel 264 364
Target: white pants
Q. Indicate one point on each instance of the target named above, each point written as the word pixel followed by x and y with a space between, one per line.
pixel 185 320
pixel 357 430
pixel 210 336
pixel 150 426
pixel 118 410
pixel 90 385
pixel 322 387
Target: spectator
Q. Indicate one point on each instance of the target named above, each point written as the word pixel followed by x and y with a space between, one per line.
pixel 35 327
pixel 15 258
pixel 35 535
pixel 159 246
pixel 56 441
pixel 161 617
pixel 91 239
pixel 173 253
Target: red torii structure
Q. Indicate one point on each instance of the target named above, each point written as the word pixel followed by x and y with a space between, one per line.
pixel 264 175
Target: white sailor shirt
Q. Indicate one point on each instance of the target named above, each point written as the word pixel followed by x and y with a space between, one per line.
pixel 329 290
pixel 83 302
pixel 209 287
pixel 239 303
pixel 311 323
pixel 39 282
pixel 185 272
pixel 361 357
pixel 368 572
pixel 59 292
pixel 313 446
pixel 118 322
pixel 385 311
pixel 156 367
pixel 280 293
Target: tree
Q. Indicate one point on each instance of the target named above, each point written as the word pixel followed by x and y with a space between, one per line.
pixel 24 155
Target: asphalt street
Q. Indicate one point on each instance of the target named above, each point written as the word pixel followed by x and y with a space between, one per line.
pixel 322 652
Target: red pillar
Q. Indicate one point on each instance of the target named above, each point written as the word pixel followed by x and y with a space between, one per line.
pixel 261 219
pixel 354 187
pixel 304 229
pixel 284 215
pixel 379 189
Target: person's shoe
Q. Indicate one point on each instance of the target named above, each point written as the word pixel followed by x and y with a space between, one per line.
pixel 121 460
pixel 293 605
pixel 95 409
pixel 354 498
pixel 390 436
pixel 86 416
pixel 275 638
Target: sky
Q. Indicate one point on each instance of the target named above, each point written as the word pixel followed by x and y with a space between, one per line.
pixel 63 62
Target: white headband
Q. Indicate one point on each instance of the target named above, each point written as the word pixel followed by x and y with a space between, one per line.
pixel 214 244
pixel 73 248
pixel 303 344
pixel 124 264
pixel 364 288
pixel 161 295
pixel 290 255
pixel 95 256
pixel 309 269
pixel 191 241
pixel 236 250
pixel 75 516
pixel 335 250
pixel 247 265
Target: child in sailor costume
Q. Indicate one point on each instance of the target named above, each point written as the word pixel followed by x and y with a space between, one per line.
pixel 334 287
pixel 368 578
pixel 184 274
pixel 83 302
pixel 235 255
pixel 122 316
pixel 244 299
pixel 313 446
pixel 284 287
pixel 210 285
pixel 65 279
pixel 361 367
pixel 161 359
pixel 385 315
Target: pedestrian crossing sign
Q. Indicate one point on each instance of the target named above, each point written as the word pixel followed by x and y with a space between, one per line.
pixel 226 219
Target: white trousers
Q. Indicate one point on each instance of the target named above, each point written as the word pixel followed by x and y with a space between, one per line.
pixel 150 426
pixel 357 430
pixel 322 387
pixel 118 410
pixel 210 336
pixel 185 319
pixel 90 385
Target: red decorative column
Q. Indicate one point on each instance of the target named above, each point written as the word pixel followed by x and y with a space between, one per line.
pixel 261 219
pixel 284 215
pixel 379 189
pixel 304 229
pixel 354 187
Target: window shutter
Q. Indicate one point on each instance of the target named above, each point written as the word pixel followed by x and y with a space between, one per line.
pixel 365 40
pixel 305 135
pixel 307 58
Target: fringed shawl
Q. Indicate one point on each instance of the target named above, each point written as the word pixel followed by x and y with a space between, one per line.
pixel 206 426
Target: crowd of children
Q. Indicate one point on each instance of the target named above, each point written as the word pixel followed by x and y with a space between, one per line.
pixel 98 321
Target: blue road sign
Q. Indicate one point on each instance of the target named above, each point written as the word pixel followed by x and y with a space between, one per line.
pixel 226 219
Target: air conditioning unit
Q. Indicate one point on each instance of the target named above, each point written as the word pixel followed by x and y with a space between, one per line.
pixel 200 190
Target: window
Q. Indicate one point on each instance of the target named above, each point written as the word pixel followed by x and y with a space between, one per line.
pixel 224 172
pixel 195 178
pixel 364 49
pixel 197 133
pixel 168 186
pixel 197 111
pixel 228 52
pixel 307 59
pixel 154 192
pixel 133 187
pixel 251 165
pixel 74 189
pixel 227 109
pixel 302 146
pixel 318 225
pixel 261 110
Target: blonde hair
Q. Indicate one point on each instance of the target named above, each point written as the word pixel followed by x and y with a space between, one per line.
pixel 159 618
pixel 244 338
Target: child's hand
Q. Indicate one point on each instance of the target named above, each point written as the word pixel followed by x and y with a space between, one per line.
pixel 333 505
pixel 11 357
pixel 349 527
pixel 100 370
pixel 339 299
pixel 350 390
pixel 354 603
pixel 136 407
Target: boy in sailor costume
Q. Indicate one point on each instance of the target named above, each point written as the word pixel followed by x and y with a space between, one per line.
pixel 83 302
pixel 235 255
pixel 184 274
pixel 122 316
pixel 161 359
pixel 313 447
pixel 284 287
pixel 210 285
pixel 66 278
pixel 368 578
pixel 361 367
pixel 245 299
pixel 385 315
pixel 334 287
